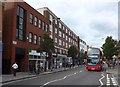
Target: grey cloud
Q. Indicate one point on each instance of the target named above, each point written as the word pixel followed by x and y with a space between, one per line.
pixel 106 6
pixel 102 27
pixel 80 17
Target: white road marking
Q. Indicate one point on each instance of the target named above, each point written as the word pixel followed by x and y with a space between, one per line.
pixel 108 77
pixel 107 84
pixel 59 79
pixel 75 73
pixel 100 80
pixel 80 71
pixel 108 80
pixel 113 81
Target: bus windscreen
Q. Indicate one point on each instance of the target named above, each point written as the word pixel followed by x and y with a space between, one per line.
pixel 93 59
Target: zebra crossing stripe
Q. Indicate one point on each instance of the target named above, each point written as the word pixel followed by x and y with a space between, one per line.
pixel 108 80
pixel 113 81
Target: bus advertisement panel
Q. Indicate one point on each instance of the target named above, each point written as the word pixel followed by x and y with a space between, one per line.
pixel 93 59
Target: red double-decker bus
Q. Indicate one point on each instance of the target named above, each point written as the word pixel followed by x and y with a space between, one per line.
pixel 94 59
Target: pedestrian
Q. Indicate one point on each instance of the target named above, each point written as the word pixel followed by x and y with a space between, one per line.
pixel 105 65
pixel 15 67
pixel 60 65
pixel 38 68
pixel 114 62
pixel 41 66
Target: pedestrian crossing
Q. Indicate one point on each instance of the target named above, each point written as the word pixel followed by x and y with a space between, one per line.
pixel 111 81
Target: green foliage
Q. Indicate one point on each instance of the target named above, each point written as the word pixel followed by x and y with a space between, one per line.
pixel 118 47
pixel 109 48
pixel 72 51
pixel 47 44
pixel 82 54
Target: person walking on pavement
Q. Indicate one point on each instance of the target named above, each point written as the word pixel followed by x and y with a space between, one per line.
pixel 15 67
pixel 105 65
pixel 38 68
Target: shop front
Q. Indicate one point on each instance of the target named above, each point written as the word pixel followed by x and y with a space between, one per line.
pixel 36 59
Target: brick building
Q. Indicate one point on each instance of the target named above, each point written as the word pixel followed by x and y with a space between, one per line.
pixel 1 20
pixel 23 28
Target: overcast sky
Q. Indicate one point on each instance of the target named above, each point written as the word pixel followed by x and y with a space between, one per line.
pixel 92 20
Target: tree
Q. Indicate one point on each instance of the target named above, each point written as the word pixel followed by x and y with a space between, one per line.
pixel 72 52
pixel 118 47
pixel 82 54
pixel 109 48
pixel 47 44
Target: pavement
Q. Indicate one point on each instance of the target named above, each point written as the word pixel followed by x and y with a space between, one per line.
pixel 23 75
pixel 115 71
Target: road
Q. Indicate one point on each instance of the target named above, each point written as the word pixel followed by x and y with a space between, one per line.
pixel 73 77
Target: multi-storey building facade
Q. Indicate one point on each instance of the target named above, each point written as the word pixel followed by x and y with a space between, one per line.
pixel 83 46
pixel 62 35
pixel 23 28
pixel 1 20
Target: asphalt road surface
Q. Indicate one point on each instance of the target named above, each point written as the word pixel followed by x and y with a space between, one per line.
pixel 78 76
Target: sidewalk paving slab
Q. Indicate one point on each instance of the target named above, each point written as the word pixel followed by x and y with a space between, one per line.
pixel 24 75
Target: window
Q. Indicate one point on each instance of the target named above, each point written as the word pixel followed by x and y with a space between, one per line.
pixel 43 25
pixel 66 45
pixel 66 30
pixel 20 34
pixel 60 42
pixel 39 39
pixel 63 35
pixel 69 32
pixel 20 25
pixel 39 23
pixel 56 50
pixel 35 21
pixel 60 51
pixel 51 17
pixel 51 36
pixel 35 39
pixel 46 28
pixel 30 37
pixel 63 52
pixel 66 37
pixel 51 28
pixel 69 45
pixel 56 30
pixel 60 33
pixel 55 21
pixel 55 40
pixel 31 18
pixel 63 28
pixel 60 25
pixel 69 39
pixel 63 43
